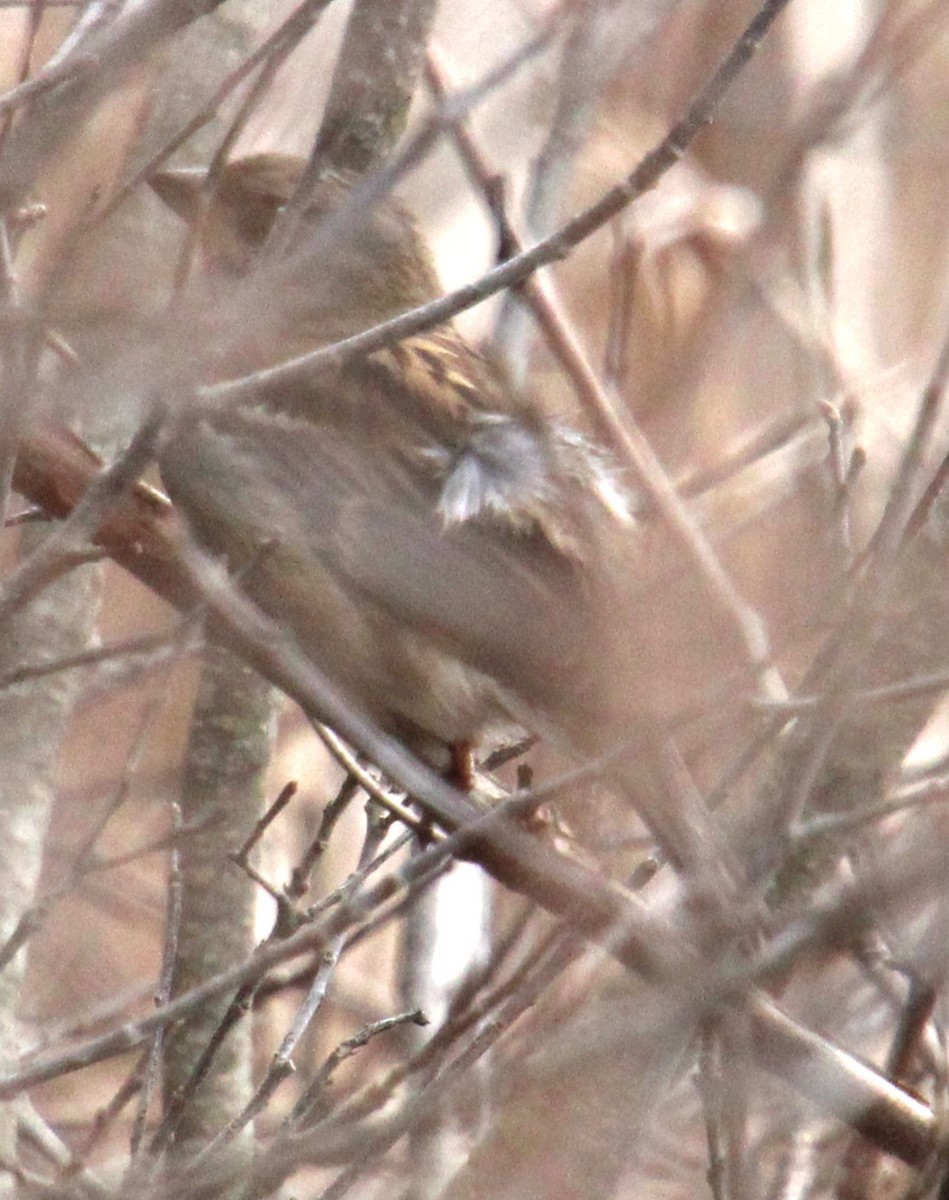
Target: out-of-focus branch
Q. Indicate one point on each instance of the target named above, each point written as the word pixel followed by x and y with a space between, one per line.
pixel 373 84
pixel 62 100
pixel 153 545
pixel 273 49
pixel 645 175
pixel 623 433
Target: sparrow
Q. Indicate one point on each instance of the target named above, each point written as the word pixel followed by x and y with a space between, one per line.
pixel 440 546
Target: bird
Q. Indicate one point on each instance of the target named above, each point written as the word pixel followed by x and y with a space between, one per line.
pixel 445 549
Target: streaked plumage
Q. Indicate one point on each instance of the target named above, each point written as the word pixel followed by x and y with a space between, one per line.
pixel 435 541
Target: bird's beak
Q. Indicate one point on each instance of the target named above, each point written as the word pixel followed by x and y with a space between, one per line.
pixel 180 189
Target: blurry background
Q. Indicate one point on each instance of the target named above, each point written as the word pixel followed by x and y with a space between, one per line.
pixel 769 315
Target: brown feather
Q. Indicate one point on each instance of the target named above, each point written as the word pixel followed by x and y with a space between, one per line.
pixel 433 540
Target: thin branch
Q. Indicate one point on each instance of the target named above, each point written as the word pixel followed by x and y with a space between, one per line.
pixel 646 174
pixel 281 1065
pixel 275 48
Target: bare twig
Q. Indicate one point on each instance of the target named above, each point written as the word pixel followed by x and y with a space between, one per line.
pixel 273 50
pixel 510 274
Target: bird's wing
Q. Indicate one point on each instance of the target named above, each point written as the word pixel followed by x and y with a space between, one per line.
pixel 307 499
